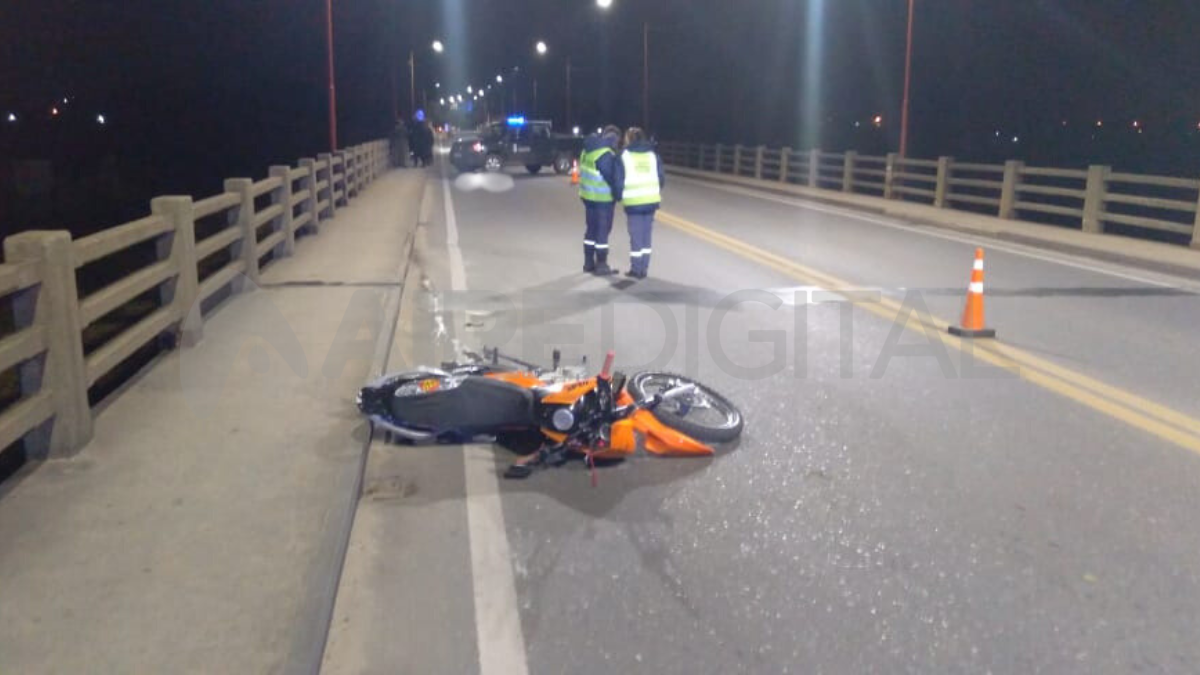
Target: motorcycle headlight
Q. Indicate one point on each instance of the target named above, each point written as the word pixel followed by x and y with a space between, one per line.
pixel 563 419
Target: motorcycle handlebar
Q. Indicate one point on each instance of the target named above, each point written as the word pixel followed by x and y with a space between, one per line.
pixel 606 371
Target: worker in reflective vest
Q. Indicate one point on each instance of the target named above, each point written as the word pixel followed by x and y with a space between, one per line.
pixel 642 195
pixel 600 189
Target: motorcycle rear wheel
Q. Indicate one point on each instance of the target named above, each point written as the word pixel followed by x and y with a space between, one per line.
pixel 706 415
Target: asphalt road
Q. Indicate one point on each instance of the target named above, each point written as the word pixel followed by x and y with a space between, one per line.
pixel 893 505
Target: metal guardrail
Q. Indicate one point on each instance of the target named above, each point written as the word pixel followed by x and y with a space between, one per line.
pixel 52 414
pixel 1096 198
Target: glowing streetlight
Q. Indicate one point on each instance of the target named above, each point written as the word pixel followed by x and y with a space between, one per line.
pixel 437 85
pixel 443 101
pixel 100 119
pixel 12 117
pixel 438 46
pixel 54 112
pixel 878 121
pixel 470 90
pixel 499 79
pixel 542 48
pixel 604 4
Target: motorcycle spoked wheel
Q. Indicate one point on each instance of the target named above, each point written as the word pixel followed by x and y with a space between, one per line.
pixel 706 415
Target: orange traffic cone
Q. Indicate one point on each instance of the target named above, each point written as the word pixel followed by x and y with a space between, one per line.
pixel 575 172
pixel 972 319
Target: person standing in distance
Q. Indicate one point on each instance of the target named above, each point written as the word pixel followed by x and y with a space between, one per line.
pixel 642 193
pixel 600 189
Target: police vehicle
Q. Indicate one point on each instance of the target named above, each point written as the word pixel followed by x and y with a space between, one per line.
pixel 516 142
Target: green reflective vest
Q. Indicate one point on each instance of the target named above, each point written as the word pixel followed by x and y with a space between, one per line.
pixel 641 179
pixel 592 187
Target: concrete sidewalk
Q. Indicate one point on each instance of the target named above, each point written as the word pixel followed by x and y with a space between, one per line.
pixel 203 529
pixel 1150 255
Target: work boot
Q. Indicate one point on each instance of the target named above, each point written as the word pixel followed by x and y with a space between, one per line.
pixel 589 258
pixel 602 268
pixel 633 274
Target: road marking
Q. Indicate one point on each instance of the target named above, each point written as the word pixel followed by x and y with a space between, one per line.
pixel 1066 260
pixel 1154 418
pixel 498 633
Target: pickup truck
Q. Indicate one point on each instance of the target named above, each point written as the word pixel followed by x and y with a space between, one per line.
pixel 516 142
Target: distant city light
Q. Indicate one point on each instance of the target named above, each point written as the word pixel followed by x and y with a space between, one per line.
pixel 1137 124
pixel 66 100
pixel 443 101
pixel 1016 139
pixel 1099 123
pixel 470 90
pixel 1064 123
pixel 100 119
pixel 997 134
pixel 54 112
pixel 575 130
pixel 541 47
pixel 12 117
pixel 437 85
pixel 499 79
pixel 438 46
pixel 878 121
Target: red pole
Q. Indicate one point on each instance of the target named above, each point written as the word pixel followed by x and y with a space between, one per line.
pixel 332 88
pixel 907 82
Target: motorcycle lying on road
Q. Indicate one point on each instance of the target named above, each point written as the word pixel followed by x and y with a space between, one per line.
pixel 553 414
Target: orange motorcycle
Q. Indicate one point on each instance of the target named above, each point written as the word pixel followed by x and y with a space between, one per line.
pixel 552 414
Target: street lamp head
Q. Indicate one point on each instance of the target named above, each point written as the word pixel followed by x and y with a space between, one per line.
pixel 438 46
pixel 542 48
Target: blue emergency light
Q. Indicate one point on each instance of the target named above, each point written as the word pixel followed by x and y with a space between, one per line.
pixel 516 121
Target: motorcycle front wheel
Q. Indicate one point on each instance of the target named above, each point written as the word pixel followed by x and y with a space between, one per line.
pixel 704 415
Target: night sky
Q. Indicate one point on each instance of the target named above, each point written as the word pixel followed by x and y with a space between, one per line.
pixel 222 87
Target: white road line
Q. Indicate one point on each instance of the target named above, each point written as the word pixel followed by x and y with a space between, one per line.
pixel 1163 281
pixel 498 631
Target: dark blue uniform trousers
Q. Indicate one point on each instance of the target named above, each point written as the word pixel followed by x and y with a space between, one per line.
pixel 640 227
pixel 599 226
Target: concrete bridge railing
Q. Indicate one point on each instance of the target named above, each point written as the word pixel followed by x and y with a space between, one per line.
pixel 1096 198
pixel 202 247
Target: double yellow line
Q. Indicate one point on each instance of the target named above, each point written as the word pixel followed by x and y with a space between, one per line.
pixel 1154 418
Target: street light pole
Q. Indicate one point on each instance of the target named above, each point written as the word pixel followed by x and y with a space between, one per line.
pixel 568 120
pixel 332 85
pixel 907 82
pixel 646 76
pixel 412 82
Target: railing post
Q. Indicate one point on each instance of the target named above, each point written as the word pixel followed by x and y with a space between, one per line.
pixel 758 161
pixel 737 160
pixel 310 182
pixel 943 181
pixel 785 157
pixel 889 175
pixel 248 248
pixel 1094 196
pixel 342 179
pixel 717 159
pixel 1012 183
pixel 814 168
pixel 848 171
pixel 53 307
pixel 328 159
pixel 1196 227
pixel 180 248
pixel 283 196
